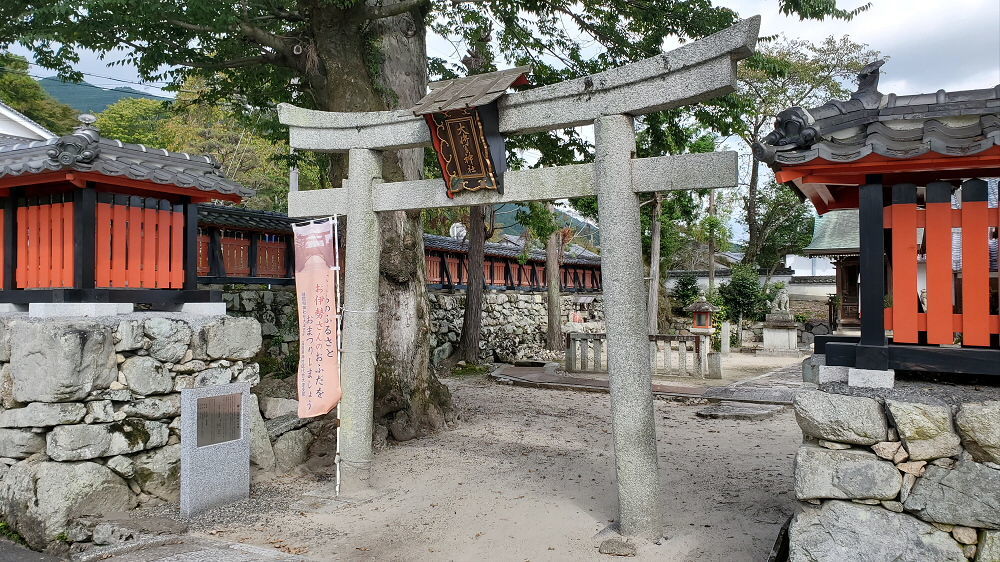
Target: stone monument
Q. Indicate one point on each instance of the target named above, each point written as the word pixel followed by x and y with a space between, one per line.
pixel 780 329
pixel 215 446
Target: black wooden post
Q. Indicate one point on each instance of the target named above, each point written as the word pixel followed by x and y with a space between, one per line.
pixel 190 245
pixel 85 239
pixel 872 351
pixel 216 265
pixel 254 254
pixel 289 255
pixel 10 240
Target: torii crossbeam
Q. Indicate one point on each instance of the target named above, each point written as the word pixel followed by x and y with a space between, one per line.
pixel 695 72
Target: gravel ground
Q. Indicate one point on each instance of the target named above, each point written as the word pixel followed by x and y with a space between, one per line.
pixel 527 474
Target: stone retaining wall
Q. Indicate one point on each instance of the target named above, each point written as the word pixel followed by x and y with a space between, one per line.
pixel 89 411
pixel 896 475
pixel 514 322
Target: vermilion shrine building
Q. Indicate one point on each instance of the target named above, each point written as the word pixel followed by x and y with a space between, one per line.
pixel 912 166
pixel 93 220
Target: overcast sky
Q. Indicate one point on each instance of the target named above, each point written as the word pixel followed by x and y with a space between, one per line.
pixel 932 44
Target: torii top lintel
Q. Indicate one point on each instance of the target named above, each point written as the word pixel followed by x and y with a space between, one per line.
pixel 694 72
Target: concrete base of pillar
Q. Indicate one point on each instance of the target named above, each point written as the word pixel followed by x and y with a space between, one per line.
pixel 811 366
pixel 203 308
pixel 831 373
pixel 714 365
pixel 57 309
pixel 11 307
pixel 871 378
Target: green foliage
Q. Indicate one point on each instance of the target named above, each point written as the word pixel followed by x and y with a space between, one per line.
pixel 470 370
pixel 137 120
pixel 539 219
pixel 8 532
pixel 684 292
pixel 743 296
pixel 23 93
pixel 786 225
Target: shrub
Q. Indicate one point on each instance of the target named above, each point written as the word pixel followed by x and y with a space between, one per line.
pixel 743 296
pixel 685 292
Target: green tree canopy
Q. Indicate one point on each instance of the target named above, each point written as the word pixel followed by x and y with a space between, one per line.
pixel 20 91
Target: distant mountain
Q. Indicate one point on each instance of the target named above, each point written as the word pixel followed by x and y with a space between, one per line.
pixel 86 97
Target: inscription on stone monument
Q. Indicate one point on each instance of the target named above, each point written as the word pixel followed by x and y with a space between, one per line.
pixel 218 419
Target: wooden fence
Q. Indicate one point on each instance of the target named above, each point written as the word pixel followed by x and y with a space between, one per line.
pixel 952 307
pixel 45 242
pixel 668 354
pixel 140 242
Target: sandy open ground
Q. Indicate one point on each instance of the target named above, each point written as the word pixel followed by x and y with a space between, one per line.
pixel 527 474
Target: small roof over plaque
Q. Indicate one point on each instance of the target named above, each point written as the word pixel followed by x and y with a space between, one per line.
pixel 470 91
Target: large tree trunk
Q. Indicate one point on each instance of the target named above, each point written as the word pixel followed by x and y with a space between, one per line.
pixel 554 335
pixel 753 222
pixel 653 305
pixel 408 397
pixel 468 345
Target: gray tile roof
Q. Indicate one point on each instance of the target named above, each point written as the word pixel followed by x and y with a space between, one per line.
pixel 447 243
pixel 240 218
pixel 468 91
pixel 948 123
pixel 86 151
pixel 835 233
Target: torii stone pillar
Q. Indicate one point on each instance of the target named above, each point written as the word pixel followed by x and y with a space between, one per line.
pixel 697 71
pixel 629 371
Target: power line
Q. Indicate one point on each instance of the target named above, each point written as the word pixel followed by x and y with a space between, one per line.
pixel 86 84
pixel 110 77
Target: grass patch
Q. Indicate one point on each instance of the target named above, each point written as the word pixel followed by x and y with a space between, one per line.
pixel 470 370
pixel 8 532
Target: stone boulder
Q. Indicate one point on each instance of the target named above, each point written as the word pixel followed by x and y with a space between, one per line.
pixel 283 424
pixel 979 425
pixel 273 407
pixel 967 495
pixel 989 547
pixel 42 414
pixel 845 419
pixel 38 502
pixel 170 338
pixel 261 451
pixel 925 429
pixel 129 335
pixel 844 474
pixel 145 375
pixel 61 361
pixel 228 337
pixel 840 531
pixel 292 449
pixel 81 442
pixel 214 376
pixel 154 408
pixel 20 443
pixel 158 472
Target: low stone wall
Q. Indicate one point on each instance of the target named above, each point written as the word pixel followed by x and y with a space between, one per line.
pixel 89 411
pixel 513 325
pixel 907 474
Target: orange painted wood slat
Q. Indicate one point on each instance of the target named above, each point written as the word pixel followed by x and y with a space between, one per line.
pixel 44 246
pixel 69 243
pixel 32 261
pixel 940 284
pixel 177 251
pixel 148 248
pixel 133 261
pixel 119 245
pixel 904 272
pixel 102 269
pixel 56 267
pixel 163 222
pixel 21 271
pixel 204 248
pixel 975 273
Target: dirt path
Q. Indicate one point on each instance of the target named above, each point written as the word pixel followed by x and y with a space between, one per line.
pixel 526 474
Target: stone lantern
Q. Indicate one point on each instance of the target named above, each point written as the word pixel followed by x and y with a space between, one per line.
pixel 702 311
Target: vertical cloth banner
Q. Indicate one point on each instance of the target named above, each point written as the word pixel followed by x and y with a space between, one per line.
pixel 316 288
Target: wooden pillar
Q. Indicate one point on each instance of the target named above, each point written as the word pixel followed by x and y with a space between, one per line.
pixel 872 351
pixel 254 254
pixel 190 256
pixel 10 240
pixel 85 248
pixel 216 265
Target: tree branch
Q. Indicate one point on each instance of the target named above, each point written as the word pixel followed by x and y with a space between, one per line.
pixel 380 10
pixel 233 63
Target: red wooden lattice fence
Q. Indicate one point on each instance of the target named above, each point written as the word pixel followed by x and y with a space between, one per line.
pixel 271 257
pixel 140 243
pixel 951 308
pixel 45 243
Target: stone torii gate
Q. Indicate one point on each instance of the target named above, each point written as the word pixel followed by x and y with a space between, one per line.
pixel 695 72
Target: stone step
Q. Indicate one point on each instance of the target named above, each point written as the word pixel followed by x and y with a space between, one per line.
pixel 740 411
